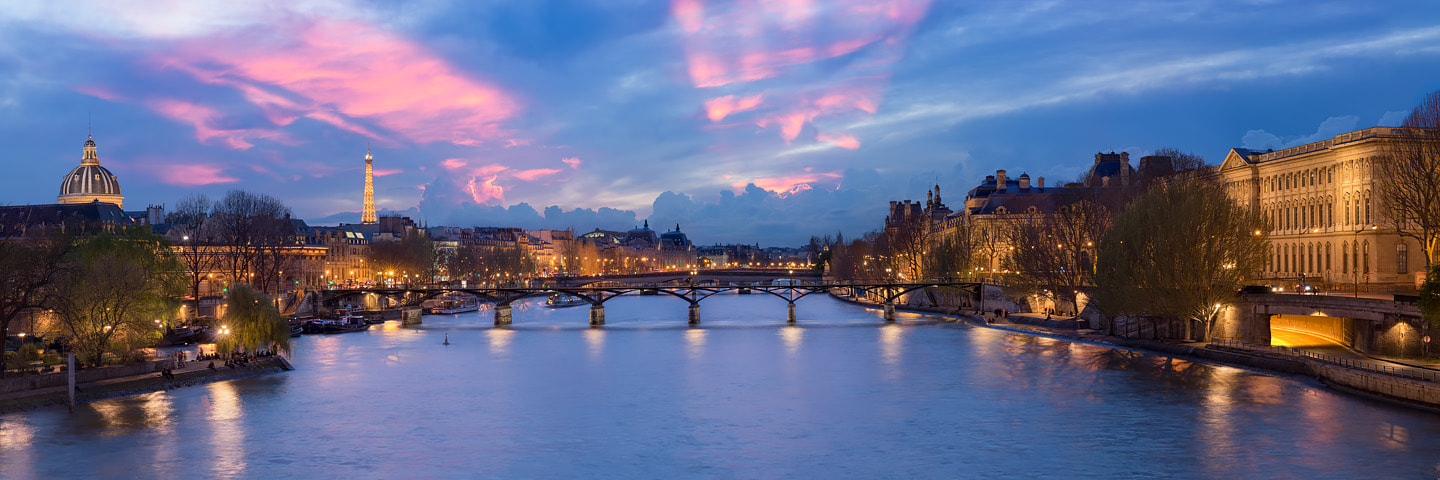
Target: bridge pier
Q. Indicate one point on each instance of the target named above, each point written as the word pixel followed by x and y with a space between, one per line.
pixel 502 315
pixel 597 315
pixel 889 311
pixel 694 314
pixel 790 313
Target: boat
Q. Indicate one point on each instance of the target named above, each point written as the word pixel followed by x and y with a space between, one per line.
pixel 448 306
pixel 346 324
pixel 296 330
pixel 188 336
pixel 561 300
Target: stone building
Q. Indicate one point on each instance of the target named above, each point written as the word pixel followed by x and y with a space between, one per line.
pixel 1325 224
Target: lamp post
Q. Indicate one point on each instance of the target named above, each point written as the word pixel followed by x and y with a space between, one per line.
pixel 1355 259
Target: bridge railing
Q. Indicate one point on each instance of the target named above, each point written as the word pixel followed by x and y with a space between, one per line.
pixel 1296 353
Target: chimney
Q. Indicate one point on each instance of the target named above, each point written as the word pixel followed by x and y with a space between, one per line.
pixel 1024 181
pixel 1000 180
pixel 1042 182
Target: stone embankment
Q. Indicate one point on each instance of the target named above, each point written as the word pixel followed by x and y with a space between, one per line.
pixel 1414 392
pixel 196 373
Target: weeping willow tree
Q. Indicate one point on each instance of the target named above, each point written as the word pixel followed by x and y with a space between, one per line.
pixel 253 323
pixel 1179 252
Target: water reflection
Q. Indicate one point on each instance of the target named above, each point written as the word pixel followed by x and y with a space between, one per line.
pixel 595 340
pixel 227 430
pixel 120 416
pixel 892 338
pixel 17 452
pixel 792 336
pixel 695 342
pixel 500 340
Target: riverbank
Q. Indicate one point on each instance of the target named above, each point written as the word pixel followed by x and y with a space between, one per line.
pixel 194 373
pixel 1377 386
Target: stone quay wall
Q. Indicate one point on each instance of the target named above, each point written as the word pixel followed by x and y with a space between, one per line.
pixel 32 382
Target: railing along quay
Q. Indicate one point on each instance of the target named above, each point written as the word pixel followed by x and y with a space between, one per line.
pixel 1275 350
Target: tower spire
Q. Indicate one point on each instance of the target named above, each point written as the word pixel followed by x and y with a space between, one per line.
pixel 367 214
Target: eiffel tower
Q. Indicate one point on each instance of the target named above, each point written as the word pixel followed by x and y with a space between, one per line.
pixel 367 216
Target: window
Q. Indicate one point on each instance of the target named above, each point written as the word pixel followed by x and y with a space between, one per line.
pixel 1367 258
pixel 1402 258
pixel 1327 257
pixel 1367 218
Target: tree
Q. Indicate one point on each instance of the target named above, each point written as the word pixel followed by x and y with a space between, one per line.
pixel 478 261
pixel 1179 251
pixel 115 290
pixel 29 268
pixel 907 243
pixel 254 323
pixel 188 225
pixel 1054 251
pixel 414 254
pixel 1408 177
pixel 253 232
pixel 953 250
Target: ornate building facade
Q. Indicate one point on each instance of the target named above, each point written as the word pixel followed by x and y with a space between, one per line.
pixel 1325 225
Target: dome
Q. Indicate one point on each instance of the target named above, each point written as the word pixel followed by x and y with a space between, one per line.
pixel 90 182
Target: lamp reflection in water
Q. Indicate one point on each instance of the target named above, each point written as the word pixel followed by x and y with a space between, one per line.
pixel 17 451
pixel 792 336
pixel 892 344
pixel 500 339
pixel 695 342
pixel 227 430
pixel 595 339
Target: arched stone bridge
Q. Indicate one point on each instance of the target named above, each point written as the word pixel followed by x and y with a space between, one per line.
pixel 1371 325
pixel 599 291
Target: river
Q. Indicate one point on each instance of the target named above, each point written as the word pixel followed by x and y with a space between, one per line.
pixel 840 395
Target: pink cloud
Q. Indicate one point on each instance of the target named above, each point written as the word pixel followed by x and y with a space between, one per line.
pixel 348 74
pixel 532 174
pixel 736 44
pixel 453 164
pixel 191 175
pixel 205 120
pixel 792 184
pixel 719 108
pixel 97 91
pixel 379 172
pixel 486 192
pixel 517 142
pixel 840 140
pixel 573 162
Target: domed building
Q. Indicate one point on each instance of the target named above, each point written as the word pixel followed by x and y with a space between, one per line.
pixel 90 182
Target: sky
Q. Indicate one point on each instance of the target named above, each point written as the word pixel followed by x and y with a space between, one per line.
pixel 739 121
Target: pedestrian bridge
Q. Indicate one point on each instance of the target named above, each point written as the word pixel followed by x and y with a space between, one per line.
pixel 597 291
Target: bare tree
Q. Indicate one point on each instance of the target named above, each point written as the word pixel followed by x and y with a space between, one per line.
pixel 195 242
pixel 1054 252
pixel 907 242
pixel 29 269
pixel 1179 252
pixel 253 230
pixel 1408 174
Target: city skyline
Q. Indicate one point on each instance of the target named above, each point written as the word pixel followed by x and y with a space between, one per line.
pixel 671 111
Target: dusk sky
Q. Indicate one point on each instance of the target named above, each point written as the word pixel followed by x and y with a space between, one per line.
pixel 744 122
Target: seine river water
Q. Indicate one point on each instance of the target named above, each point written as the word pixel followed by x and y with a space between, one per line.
pixel 841 395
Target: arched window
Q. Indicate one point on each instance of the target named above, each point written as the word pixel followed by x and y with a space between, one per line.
pixel 1345 258
pixel 1367 214
pixel 1327 257
pixel 1402 258
pixel 1366 257
pixel 1310 259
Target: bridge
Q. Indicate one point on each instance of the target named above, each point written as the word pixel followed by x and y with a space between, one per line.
pixel 1370 325
pixel 716 275
pixel 597 291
